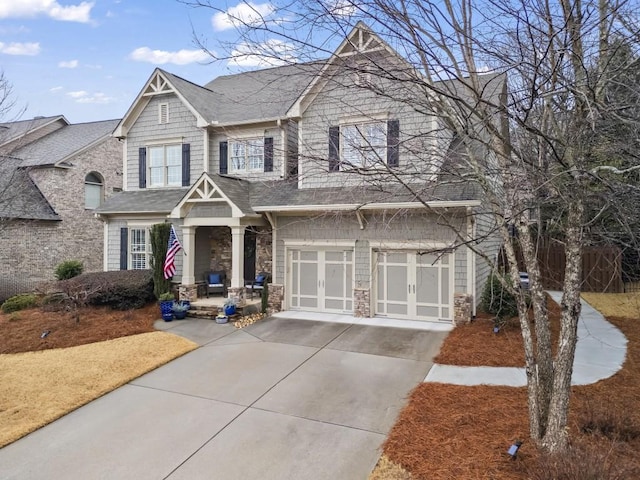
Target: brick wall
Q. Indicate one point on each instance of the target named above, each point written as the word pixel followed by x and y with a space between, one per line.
pixel 36 248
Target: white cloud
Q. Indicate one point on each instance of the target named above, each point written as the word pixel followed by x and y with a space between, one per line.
pixel 55 89
pixel 340 8
pixel 15 48
pixel 248 13
pixel 82 96
pixel 160 57
pixel 267 54
pixel 69 64
pixel 51 8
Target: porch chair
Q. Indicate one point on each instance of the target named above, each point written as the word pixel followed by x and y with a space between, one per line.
pixel 257 285
pixel 216 282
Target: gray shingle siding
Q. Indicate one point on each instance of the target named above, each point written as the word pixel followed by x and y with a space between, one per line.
pixel 345 228
pixel 246 133
pixel 490 246
pixel 341 101
pixel 182 127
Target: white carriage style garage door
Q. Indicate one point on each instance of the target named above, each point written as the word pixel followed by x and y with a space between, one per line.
pixel 412 284
pixel 321 280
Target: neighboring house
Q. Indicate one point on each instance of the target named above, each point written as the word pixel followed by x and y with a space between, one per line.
pixel 53 175
pixel 277 170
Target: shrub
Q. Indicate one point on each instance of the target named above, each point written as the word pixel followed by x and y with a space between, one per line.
pixel 497 300
pixel 20 302
pixel 578 462
pixel 120 290
pixel 159 241
pixel 69 269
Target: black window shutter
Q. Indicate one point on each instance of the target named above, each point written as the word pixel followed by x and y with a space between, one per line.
pixel 393 143
pixel 334 149
pixel 224 146
pixel 186 164
pixel 124 245
pixel 268 154
pixel 142 167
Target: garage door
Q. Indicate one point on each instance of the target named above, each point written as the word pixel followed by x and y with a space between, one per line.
pixel 416 285
pixel 320 280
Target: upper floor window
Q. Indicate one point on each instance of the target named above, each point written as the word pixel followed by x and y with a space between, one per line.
pixel 247 155
pixel 93 187
pixel 139 249
pixel 367 144
pixel 165 165
pixel 364 145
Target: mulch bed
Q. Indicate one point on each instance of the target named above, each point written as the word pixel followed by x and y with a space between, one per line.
pixel 475 344
pixel 21 331
pixel 449 431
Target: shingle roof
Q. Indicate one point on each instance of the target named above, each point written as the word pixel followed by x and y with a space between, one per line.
pixel 143 201
pixel 283 193
pixel 11 130
pixel 20 198
pixel 64 142
pixel 248 96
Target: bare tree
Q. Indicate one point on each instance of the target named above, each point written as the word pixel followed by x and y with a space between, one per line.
pixel 530 148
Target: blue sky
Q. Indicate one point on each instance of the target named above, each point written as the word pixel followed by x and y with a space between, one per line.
pixel 88 60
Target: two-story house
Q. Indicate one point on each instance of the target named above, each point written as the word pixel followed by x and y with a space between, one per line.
pixel 311 173
pixel 53 175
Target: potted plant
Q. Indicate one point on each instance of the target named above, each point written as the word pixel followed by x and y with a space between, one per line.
pixel 230 306
pixel 179 310
pixel 166 306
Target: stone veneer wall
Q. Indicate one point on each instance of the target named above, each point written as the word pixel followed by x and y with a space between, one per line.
pixel 276 298
pixel 461 308
pixel 188 292
pixel 220 255
pixel 362 302
pixel 264 252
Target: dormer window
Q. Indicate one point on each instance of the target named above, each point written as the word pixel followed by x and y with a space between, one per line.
pixel 364 145
pixel 163 113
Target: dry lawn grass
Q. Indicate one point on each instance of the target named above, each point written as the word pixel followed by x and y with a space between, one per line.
pixel 454 432
pixel 615 304
pixel 40 386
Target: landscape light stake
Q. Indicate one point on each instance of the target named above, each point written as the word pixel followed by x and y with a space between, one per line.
pixel 513 449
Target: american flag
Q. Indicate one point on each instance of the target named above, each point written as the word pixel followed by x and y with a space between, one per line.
pixel 172 249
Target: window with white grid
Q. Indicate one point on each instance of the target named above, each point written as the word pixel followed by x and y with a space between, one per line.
pixel 246 155
pixel 139 248
pixel 364 145
pixel 165 165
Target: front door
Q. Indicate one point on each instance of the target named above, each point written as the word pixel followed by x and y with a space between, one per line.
pixel 416 285
pixel 321 280
pixel 249 255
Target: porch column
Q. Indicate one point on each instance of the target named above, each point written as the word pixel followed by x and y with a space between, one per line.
pixel 188 259
pixel 237 257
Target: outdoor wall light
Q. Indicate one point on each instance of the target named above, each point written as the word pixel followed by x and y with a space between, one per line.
pixel 513 449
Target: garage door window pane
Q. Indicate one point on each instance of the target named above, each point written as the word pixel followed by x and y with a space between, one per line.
pixel 427 259
pixel 334 256
pixel 427 285
pixel 334 280
pixel 309 279
pixel 444 275
pixel 396 258
pixel 309 256
pixel 381 293
pixel 397 284
pixel 445 312
pixel 396 308
pixel 428 312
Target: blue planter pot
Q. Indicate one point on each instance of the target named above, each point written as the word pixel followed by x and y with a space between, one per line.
pixel 166 310
pixel 180 315
pixel 229 310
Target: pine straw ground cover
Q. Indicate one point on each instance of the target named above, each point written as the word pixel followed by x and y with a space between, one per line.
pixel 454 432
pixel 75 363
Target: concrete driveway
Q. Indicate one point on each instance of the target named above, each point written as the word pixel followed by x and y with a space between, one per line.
pixel 281 399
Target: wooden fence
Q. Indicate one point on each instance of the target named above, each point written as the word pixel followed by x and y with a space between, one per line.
pixel 601 267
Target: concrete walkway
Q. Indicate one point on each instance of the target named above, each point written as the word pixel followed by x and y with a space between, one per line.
pixel 280 399
pixel 600 353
